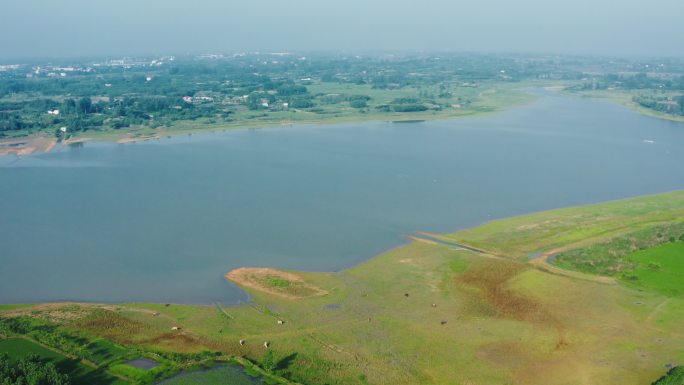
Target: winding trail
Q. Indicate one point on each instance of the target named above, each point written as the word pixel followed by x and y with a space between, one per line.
pixel 540 262
pixel 657 309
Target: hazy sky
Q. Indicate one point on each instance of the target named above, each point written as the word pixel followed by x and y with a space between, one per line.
pixel 54 28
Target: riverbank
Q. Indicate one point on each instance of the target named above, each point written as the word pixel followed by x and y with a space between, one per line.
pixel 625 98
pixel 490 100
pixel 27 146
pixel 433 313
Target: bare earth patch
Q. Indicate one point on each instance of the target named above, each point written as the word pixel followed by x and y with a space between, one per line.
pixel 276 282
pixel 26 146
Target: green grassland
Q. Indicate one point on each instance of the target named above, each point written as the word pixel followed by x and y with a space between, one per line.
pixel 660 268
pixel 612 257
pixel 78 372
pixel 6 307
pixel 433 313
pixel 570 228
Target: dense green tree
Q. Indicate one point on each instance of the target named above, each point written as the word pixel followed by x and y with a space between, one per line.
pixel 291 89
pixel 358 103
pixel 268 362
pixel 85 106
pixel 30 370
pixel 301 102
pixel 674 377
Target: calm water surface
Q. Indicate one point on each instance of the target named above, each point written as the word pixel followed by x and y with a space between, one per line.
pixel 220 374
pixel 162 221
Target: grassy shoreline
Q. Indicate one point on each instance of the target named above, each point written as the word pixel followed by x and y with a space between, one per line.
pixel 492 100
pixel 508 97
pixel 624 98
pixel 430 313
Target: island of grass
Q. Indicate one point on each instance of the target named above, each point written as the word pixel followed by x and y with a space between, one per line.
pixel 275 282
pixel 538 299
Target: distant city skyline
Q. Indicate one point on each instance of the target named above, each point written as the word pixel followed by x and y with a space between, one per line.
pixel 78 28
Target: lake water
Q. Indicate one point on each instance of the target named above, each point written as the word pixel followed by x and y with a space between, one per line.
pixel 219 374
pixel 163 220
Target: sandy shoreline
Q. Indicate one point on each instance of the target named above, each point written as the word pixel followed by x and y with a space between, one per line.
pixel 257 278
pixel 27 146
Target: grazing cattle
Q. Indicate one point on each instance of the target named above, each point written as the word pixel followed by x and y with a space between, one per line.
pixel 280 322
pixel 242 342
pixel 434 305
pixel 443 322
pixel 406 295
pixel 266 344
pixel 175 328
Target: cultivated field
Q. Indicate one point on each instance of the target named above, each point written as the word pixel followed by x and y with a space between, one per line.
pixel 79 374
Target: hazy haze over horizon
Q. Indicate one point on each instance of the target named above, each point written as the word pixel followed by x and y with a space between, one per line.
pixel 42 28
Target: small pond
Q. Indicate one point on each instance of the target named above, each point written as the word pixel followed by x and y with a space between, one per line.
pixel 218 375
pixel 143 363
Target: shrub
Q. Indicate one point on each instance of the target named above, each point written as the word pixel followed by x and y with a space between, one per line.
pixel 674 377
pixel 358 103
pixel 30 370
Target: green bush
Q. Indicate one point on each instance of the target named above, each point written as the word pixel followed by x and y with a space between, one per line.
pixel 30 370
pixel 674 377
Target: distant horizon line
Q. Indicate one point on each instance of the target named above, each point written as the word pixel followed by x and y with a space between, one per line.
pixel 342 52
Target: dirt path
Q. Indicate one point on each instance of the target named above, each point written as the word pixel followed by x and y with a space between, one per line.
pixel 655 310
pixel 436 238
pixel 541 262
